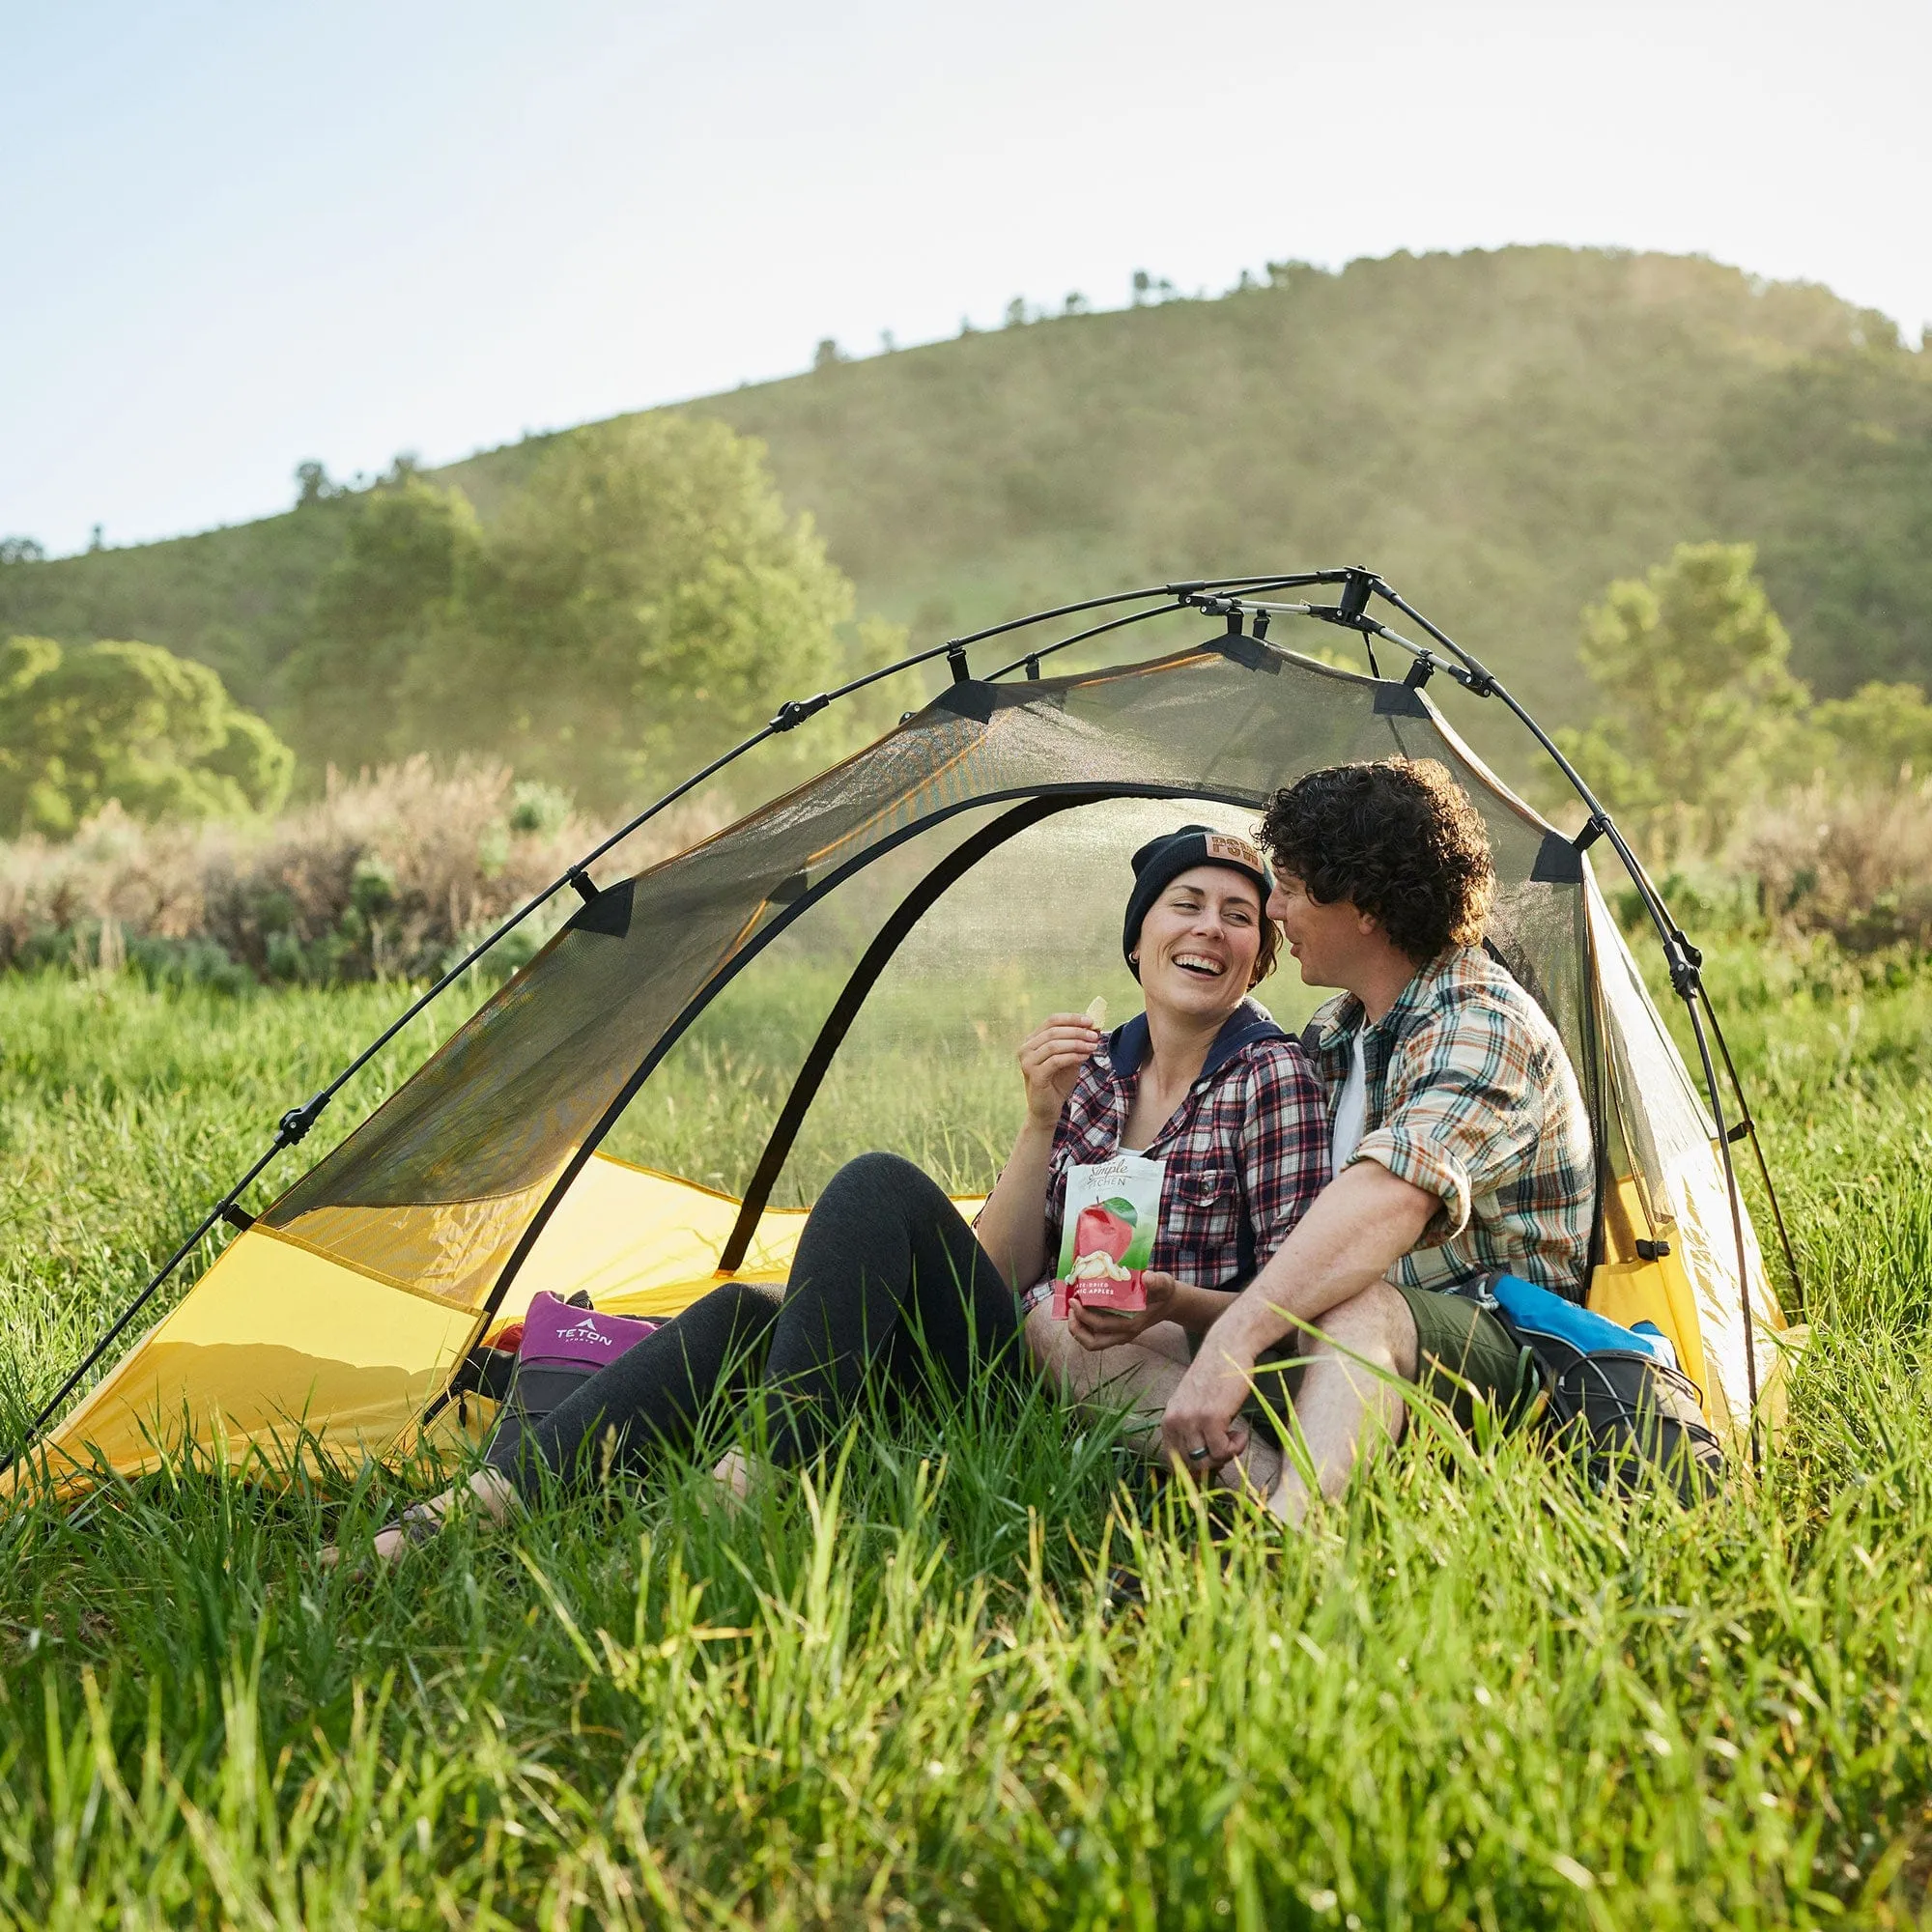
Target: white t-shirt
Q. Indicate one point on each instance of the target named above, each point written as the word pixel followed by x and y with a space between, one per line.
pixel 1352 1110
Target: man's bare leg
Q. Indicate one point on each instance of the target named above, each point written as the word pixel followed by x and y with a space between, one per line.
pixel 1142 1374
pixel 1351 1396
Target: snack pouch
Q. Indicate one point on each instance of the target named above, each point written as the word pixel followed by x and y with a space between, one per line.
pixel 1109 1216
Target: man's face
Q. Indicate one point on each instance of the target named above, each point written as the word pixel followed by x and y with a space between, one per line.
pixel 1324 940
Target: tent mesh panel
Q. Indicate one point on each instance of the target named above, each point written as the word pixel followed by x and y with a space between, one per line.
pixel 481 1137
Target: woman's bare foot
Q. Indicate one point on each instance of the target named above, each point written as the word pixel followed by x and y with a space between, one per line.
pixel 1287 1502
pixel 732 1473
pixel 491 1491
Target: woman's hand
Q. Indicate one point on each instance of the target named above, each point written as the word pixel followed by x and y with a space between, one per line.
pixel 1097 1328
pixel 1050 1062
pixel 1012 1223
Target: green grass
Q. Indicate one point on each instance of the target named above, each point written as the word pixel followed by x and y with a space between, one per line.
pixel 895 1694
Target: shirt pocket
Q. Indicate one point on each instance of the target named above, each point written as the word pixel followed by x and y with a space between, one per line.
pixel 1206 1213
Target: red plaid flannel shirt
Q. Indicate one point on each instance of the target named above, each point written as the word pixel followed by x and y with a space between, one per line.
pixel 1246 1151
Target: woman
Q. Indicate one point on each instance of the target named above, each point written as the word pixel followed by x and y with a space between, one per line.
pixel 889 1280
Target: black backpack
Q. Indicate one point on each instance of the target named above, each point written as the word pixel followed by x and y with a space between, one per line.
pixel 1626 1415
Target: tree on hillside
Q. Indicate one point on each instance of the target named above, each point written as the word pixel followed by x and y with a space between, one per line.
pixel 645 600
pixel 1877 737
pixel 132 722
pixel 395 585
pixel 1695 668
pixel 313 484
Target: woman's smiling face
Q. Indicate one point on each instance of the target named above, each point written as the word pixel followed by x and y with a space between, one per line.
pixel 1199 942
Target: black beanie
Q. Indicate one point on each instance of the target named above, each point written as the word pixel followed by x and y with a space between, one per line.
pixel 1161 861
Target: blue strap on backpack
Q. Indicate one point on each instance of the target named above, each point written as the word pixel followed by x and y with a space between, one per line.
pixel 1615 1395
pixel 1542 1313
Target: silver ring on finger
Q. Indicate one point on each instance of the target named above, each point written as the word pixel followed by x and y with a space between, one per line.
pixel 1198 1454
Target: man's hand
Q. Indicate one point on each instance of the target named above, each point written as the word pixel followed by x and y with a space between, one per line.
pixel 1097 1328
pixel 1360 1224
pixel 1201 1429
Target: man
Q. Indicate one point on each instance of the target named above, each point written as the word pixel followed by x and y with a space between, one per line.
pixel 1460 1140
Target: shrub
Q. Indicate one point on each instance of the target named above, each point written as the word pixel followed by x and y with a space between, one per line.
pixel 1854 864
pixel 1694 664
pixel 391 874
pixel 130 723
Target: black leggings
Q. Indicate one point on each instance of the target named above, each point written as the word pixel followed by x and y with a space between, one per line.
pixel 888 1279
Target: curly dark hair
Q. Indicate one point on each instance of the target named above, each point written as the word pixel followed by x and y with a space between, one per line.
pixel 1269 957
pixel 1399 840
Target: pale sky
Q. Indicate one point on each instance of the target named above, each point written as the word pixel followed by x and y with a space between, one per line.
pixel 233 236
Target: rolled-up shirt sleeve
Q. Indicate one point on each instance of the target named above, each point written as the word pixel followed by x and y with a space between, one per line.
pixel 1459 1120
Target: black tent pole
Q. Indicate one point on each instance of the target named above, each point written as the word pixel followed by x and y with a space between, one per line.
pixel 1747 1124
pixel 1682 958
pixel 1031 661
pixel 1355 586
pixel 1187 596
pixel 295 1125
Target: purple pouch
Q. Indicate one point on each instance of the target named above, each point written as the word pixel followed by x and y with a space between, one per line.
pixel 558 1335
pixel 563 1345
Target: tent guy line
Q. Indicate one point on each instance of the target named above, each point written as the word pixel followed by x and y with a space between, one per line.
pixel 1237 599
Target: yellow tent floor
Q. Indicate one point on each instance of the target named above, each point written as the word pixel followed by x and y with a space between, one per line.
pixel 280 1350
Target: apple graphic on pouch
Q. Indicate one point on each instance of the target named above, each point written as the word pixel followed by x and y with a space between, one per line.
pixel 1101 1229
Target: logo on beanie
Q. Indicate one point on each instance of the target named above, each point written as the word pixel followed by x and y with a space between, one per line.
pixel 1235 851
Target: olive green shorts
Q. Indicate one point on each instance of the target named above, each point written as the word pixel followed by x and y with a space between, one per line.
pixel 1464 1355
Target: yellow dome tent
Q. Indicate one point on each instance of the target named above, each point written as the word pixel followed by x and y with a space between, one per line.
pixel 340 1322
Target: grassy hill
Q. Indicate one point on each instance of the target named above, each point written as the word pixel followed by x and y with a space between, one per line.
pixel 1500 433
